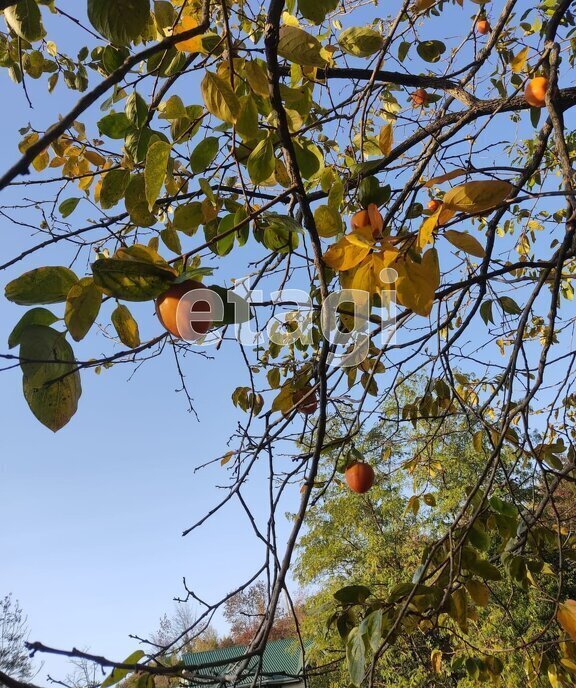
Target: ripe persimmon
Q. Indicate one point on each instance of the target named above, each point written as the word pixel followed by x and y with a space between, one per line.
pixel 359 477
pixel 370 217
pixel 433 205
pixel 483 26
pixel 167 306
pixel 306 406
pixel 535 93
pixel 419 98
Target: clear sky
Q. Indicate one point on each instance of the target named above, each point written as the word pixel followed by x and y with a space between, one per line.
pixel 92 516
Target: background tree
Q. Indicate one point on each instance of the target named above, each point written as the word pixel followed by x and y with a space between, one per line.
pixel 14 658
pixel 358 553
pixel 246 611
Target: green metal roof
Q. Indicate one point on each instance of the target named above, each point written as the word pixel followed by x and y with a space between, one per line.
pixel 281 663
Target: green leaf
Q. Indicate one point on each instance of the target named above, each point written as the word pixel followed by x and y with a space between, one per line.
pixel 328 221
pixel 279 232
pixel 298 46
pixel 479 538
pixel 310 159
pixel 509 305
pixel 360 42
pixel 355 656
pixel 485 569
pixel 261 162
pixel 486 312
pixel 187 218
pixel 431 51
pixel 212 229
pixel 316 10
pixel 114 185
pixel 458 609
pixel 137 142
pixel 164 13
pixel 273 377
pixel 371 629
pixel 171 240
pixel 131 280
pixel 25 20
pixel 126 327
pixel 136 110
pixel 115 125
pixel 236 309
pixel 502 507
pixel 155 170
pixel 219 98
pixel 247 122
pixel 120 21
pixel 36 316
pixel 42 285
pixel 82 308
pixel 142 253
pixel 204 153
pixel 136 204
pixel 118 674
pixel 51 384
pixel 353 594
pixel 68 206
pixel 403 49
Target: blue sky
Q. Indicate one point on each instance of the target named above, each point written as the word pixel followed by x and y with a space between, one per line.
pixel 92 516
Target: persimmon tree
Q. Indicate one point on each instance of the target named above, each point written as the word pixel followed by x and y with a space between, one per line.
pixel 384 162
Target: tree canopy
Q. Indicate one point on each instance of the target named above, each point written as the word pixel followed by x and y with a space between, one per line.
pixel 375 204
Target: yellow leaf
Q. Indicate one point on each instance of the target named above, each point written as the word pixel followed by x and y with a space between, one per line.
pixel 478 592
pixel 436 661
pixel 417 282
pixel 219 98
pixel 425 233
pixel 300 47
pixel 569 664
pixel 465 242
pixel 518 62
pixel 413 505
pixel 41 161
pixel 444 178
pixel 566 617
pixel 478 196
pixel 257 78
pixel 283 401
pixel 422 5
pixel 386 139
pixel 553 676
pixel 365 277
pixel 346 254
pixel 477 440
pixel 426 230
pixel 224 460
pixel 95 158
pixel 289 19
pixel 358 239
pixel 191 45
